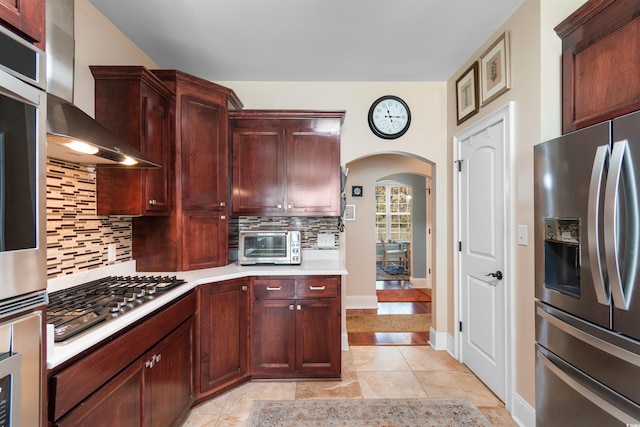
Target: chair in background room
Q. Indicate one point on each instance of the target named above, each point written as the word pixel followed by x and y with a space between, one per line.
pixel 392 256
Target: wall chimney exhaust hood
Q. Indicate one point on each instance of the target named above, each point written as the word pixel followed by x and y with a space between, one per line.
pixel 73 135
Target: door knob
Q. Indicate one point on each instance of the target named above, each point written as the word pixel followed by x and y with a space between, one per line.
pixel 497 275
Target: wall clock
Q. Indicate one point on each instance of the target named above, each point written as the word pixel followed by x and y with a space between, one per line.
pixel 389 117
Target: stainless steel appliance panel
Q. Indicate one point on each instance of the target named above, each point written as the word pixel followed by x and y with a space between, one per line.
pixel 566 396
pixel 563 169
pixel 626 315
pixel 22 266
pixel 607 357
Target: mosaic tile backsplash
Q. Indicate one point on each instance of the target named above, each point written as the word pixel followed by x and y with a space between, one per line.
pixel 77 238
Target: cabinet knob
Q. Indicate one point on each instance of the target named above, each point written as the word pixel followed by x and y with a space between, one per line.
pixel 244 288
pixel 223 217
pixel 279 206
pixel 289 206
pixel 152 202
pixel 223 204
pixel 291 307
pixel 299 307
pixel 158 357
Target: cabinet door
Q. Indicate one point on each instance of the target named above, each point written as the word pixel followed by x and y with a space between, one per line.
pixel 118 403
pixel 204 239
pixel 318 337
pixel 26 18
pixel 258 168
pixel 155 136
pixel 273 338
pixel 222 335
pixel 313 172
pixel 168 378
pixel 204 155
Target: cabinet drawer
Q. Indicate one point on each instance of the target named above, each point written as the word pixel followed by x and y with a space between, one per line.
pixel 276 289
pixel 325 287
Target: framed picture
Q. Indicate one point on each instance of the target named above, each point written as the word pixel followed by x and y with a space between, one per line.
pixel 467 101
pixel 494 70
pixel 350 213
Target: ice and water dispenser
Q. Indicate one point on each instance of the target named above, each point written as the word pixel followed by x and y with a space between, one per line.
pixel 562 255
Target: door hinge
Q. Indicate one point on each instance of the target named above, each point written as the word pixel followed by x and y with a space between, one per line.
pixel 459 163
pixel 459 246
pixel 460 326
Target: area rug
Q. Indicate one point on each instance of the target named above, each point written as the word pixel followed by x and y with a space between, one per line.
pixel 388 322
pixel 450 412
pixel 402 295
pixel 392 273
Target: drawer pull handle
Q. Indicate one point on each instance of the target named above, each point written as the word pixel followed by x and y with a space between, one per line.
pixel 274 288
pixel 291 307
pixel 317 288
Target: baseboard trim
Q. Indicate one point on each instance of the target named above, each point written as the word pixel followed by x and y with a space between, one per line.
pixel 437 339
pixel 523 413
pixel 361 301
pixel 421 282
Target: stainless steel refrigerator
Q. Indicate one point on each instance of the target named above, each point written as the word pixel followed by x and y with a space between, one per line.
pixel 587 248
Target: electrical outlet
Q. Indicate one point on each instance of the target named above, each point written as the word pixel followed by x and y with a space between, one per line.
pixel 326 240
pixel 522 235
pixel 111 252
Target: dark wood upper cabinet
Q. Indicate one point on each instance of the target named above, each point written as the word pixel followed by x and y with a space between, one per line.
pixel 285 162
pixel 600 62
pixel 26 18
pixel 136 106
pixel 195 235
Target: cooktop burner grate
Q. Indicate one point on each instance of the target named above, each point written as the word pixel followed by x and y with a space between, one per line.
pixel 76 309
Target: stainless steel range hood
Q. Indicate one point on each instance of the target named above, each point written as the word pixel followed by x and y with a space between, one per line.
pixel 73 135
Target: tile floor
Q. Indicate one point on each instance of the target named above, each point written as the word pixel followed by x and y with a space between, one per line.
pixel 368 372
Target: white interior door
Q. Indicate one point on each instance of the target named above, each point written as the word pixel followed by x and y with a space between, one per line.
pixel 481 262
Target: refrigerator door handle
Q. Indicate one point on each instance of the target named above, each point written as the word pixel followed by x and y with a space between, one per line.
pixel 593 224
pixel 620 163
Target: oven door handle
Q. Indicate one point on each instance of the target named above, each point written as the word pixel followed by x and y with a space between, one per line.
pixel 593 224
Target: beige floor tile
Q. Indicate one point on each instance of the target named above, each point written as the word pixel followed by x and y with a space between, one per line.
pixel 348 388
pixel 213 406
pixel 379 385
pixel 457 384
pixel 232 420
pixel 347 362
pixel 498 417
pixel 423 358
pixel 200 420
pixel 378 359
pixel 241 399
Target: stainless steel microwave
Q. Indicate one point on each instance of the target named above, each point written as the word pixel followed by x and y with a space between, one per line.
pixel 269 247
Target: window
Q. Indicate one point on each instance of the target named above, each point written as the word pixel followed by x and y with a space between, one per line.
pixel 393 212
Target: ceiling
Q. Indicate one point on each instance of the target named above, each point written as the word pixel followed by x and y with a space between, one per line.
pixel 310 40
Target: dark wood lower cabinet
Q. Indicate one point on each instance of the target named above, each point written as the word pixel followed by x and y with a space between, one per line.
pixel 295 327
pixel 221 354
pixel 141 378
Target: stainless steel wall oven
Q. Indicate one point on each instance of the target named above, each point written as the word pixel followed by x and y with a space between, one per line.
pixel 23 278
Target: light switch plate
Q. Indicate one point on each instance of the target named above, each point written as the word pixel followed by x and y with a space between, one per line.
pixel 523 239
pixel 326 240
pixel 111 252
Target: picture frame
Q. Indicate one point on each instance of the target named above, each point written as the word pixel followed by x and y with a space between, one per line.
pixel 350 213
pixel 467 93
pixel 495 74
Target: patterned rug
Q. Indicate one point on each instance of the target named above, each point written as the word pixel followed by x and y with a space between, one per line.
pixel 388 322
pixel 392 273
pixel 451 412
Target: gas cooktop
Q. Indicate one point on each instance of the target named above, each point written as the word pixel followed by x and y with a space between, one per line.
pixel 76 309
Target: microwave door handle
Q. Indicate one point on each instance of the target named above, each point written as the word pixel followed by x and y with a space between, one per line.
pixel 593 224
pixel 621 165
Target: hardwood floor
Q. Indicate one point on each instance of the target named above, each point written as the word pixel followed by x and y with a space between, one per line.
pixel 392 338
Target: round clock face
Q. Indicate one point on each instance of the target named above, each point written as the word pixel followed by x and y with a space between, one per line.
pixel 389 117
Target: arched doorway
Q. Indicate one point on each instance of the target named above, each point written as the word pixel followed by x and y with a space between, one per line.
pixel 360 238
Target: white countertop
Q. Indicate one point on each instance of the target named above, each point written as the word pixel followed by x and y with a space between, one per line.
pixel 314 263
